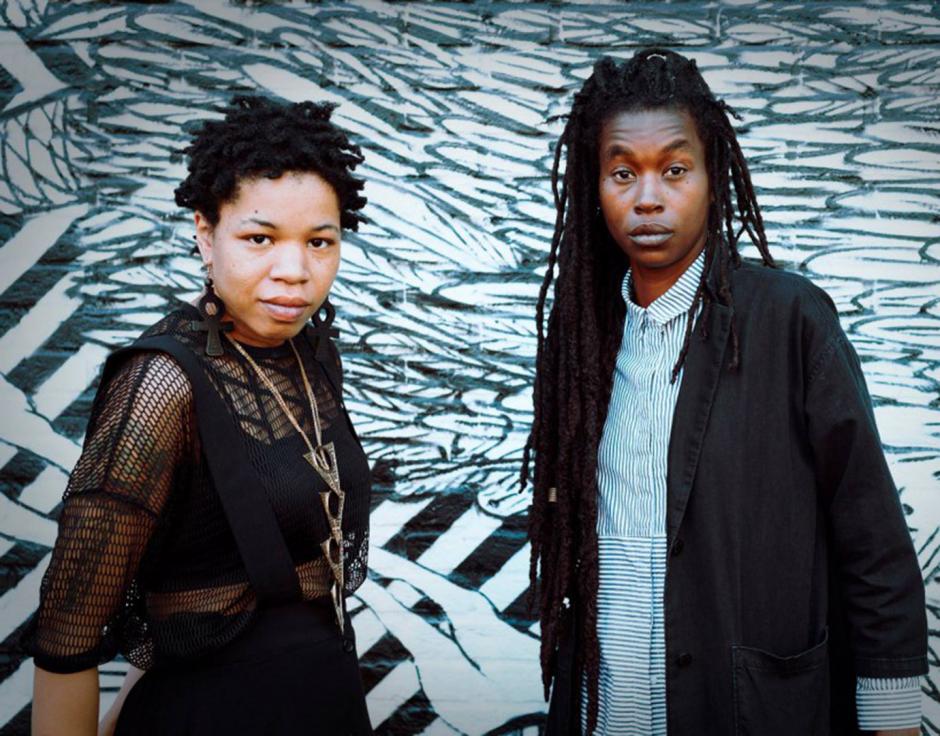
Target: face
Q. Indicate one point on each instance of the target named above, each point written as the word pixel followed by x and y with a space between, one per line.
pixel 273 254
pixel 653 188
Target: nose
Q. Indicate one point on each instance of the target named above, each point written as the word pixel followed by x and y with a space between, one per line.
pixel 290 263
pixel 648 193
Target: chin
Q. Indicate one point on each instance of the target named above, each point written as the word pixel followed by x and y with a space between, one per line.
pixel 285 330
pixel 652 258
pixel 276 332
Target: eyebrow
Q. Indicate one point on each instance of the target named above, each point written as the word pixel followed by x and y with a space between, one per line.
pixel 618 149
pixel 261 223
pixel 272 226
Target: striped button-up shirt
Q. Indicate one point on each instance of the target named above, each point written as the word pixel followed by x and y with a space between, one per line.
pixel 631 530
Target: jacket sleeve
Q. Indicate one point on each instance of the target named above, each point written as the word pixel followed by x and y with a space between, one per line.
pixel 878 575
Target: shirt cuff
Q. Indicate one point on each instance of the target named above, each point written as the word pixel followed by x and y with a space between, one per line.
pixel 888 702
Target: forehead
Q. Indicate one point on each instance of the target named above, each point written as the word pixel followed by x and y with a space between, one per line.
pixel 646 132
pixel 283 192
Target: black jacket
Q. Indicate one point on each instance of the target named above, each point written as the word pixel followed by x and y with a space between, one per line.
pixel 791 569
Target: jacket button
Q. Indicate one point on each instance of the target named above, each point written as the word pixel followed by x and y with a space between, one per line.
pixel 684 659
pixel 677 547
pixel 348 646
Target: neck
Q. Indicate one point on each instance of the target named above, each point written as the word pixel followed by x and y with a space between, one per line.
pixel 651 283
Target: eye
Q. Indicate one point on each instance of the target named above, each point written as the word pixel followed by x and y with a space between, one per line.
pixel 259 239
pixel 676 171
pixel 319 243
pixel 622 174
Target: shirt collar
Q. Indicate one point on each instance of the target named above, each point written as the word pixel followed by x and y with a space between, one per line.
pixel 677 300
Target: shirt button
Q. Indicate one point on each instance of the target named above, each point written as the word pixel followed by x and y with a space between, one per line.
pixel 348 646
pixel 684 659
pixel 677 547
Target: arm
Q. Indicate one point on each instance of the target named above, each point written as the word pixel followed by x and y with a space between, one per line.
pixel 65 699
pixel 137 437
pixel 878 575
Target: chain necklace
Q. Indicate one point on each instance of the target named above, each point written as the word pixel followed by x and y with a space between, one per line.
pixel 323 459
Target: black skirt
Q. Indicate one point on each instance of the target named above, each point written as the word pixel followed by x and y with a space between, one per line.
pixel 290 673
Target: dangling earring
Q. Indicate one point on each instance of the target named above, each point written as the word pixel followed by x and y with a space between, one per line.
pixel 212 309
pixel 323 330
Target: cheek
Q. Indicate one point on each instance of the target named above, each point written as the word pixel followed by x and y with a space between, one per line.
pixel 232 272
pixel 705 201
pixel 238 276
pixel 608 199
pixel 694 199
pixel 332 264
pixel 323 272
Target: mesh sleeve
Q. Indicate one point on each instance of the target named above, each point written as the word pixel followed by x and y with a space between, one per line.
pixel 139 434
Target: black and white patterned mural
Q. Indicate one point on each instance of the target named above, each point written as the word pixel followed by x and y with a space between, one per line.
pixel 456 105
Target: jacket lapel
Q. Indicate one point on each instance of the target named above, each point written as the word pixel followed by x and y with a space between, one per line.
pixel 703 366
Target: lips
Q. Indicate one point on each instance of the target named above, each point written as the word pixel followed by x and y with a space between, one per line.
pixel 285 309
pixel 650 234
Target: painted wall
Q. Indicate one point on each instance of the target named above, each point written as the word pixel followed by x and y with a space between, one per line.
pixel 456 105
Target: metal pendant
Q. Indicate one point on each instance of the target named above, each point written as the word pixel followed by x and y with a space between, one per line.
pixel 323 330
pixel 212 308
pixel 333 499
pixel 333 552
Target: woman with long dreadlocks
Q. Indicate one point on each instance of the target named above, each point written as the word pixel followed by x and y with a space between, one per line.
pixel 719 543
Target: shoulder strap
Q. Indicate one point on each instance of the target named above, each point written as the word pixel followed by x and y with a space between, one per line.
pixel 250 516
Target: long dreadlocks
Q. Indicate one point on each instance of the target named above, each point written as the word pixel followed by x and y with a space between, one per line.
pixel 575 360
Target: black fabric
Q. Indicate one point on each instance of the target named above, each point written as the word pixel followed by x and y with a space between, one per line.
pixel 290 674
pixel 146 563
pixel 564 710
pixel 792 570
pixel 250 517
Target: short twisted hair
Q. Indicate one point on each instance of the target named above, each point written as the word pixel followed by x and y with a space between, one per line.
pixel 259 137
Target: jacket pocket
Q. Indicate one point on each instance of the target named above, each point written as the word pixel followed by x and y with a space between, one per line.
pixel 781 696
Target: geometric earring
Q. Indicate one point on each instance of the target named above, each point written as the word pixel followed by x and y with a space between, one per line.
pixel 323 330
pixel 212 309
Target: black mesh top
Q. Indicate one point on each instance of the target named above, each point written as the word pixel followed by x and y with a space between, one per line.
pixel 145 563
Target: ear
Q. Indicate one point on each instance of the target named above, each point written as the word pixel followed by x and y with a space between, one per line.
pixel 204 233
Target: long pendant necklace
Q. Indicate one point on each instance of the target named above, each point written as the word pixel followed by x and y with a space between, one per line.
pixel 323 459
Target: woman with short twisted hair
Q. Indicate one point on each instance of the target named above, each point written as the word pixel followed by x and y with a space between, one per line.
pixel 218 515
